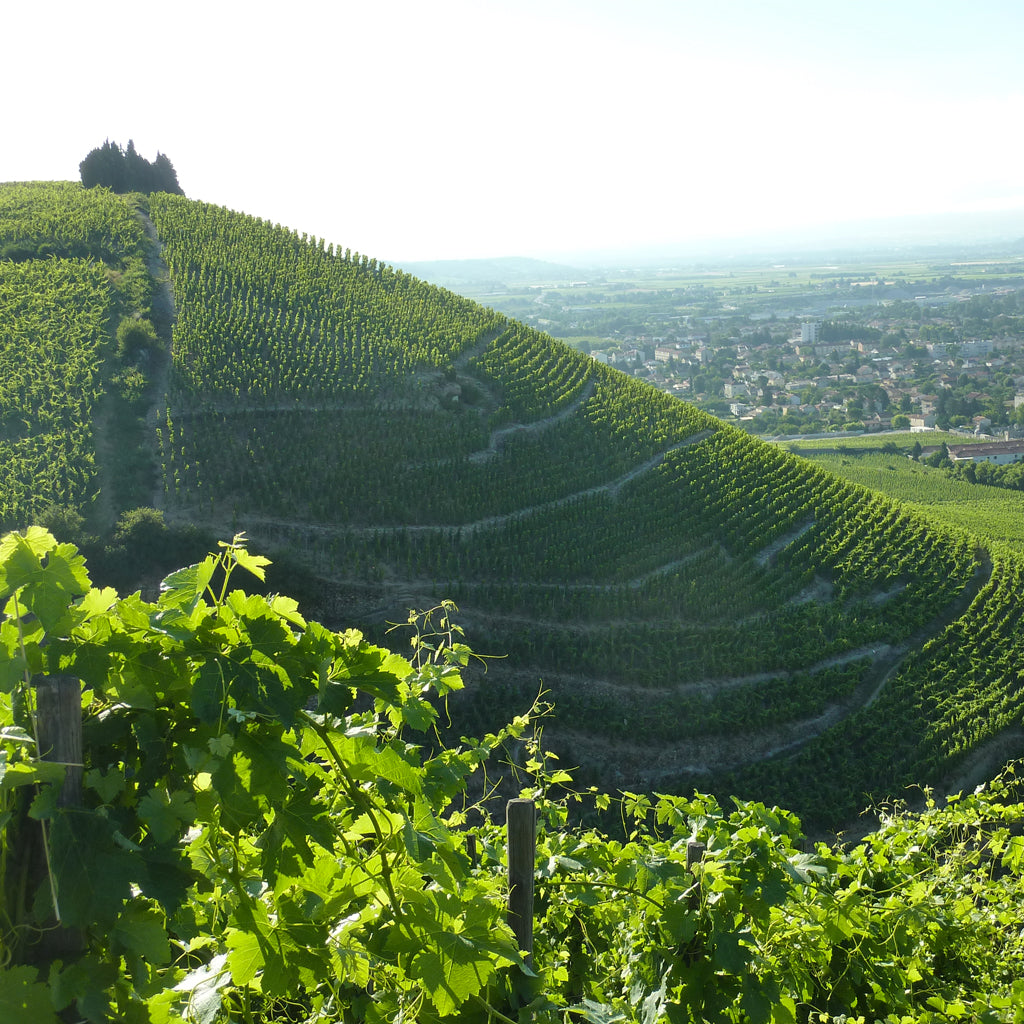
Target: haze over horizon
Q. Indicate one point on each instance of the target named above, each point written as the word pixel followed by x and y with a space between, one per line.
pixel 540 128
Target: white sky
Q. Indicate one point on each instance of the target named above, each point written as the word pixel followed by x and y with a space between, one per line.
pixel 410 129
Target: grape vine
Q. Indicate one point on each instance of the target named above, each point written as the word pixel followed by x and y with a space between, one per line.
pixel 271 830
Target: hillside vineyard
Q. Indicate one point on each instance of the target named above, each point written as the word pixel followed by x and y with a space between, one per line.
pixel 700 608
pixel 270 830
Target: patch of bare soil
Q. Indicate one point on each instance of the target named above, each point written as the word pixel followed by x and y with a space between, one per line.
pixel 769 553
pixel 499 436
pixel 821 590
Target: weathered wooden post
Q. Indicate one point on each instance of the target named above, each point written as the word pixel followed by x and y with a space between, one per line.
pixel 59 731
pixel 694 855
pixel 59 724
pixel 521 828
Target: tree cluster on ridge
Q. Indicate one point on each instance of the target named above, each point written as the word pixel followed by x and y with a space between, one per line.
pixel 126 171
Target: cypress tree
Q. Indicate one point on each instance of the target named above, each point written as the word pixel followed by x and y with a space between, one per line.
pixel 127 171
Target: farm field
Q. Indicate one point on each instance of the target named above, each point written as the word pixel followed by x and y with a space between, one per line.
pixel 904 440
pixel 751 285
pixel 739 277
pixel 994 514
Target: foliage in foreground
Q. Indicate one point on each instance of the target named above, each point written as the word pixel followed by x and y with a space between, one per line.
pixel 271 831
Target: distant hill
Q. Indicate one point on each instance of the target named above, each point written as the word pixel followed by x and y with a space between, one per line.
pixel 499 272
pixel 702 609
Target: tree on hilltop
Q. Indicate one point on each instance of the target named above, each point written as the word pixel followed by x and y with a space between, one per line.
pixel 127 171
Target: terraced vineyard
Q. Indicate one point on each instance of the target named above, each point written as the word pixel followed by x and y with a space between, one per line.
pixel 701 608
pixel 56 305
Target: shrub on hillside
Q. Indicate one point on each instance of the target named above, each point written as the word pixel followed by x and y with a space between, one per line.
pixel 135 337
pixel 131 385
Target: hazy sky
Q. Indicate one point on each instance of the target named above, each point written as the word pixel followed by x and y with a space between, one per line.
pixel 410 129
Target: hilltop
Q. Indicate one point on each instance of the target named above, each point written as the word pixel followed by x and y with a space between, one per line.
pixel 699 607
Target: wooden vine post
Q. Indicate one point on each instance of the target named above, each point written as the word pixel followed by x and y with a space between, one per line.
pixel 521 826
pixel 59 731
pixel 59 721
pixel 694 855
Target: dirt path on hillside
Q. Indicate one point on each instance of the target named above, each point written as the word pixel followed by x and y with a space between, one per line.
pixel 767 554
pixel 495 443
pixel 103 512
pixel 711 753
pixel 164 315
pixel 982 574
pixel 711 686
pixel 985 762
pixel 498 437
pixel 403 394
pixel 633 583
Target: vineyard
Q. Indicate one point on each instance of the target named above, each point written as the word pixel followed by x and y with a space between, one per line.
pixel 262 824
pixel 59 219
pixel 702 609
pixel 53 317
pixel 71 260
pixel 265 316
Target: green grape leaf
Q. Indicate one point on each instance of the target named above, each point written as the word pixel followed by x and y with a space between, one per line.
pixel 80 980
pixel 597 1013
pixel 185 588
pixel 208 693
pixel 15 734
pixel 256 564
pixel 21 557
pixel 94 874
pixel 390 765
pixel 729 953
pixel 44 803
pixel 287 608
pixel 23 999
pixel 260 946
pixel 27 773
pixel 334 698
pixel 13 670
pixel 1013 857
pixel 245 955
pixel 166 876
pixel 49 593
pixel 784 1011
pixel 35 539
pixel 452 971
pixel 142 930
pixel 97 601
pixel 165 814
pixel 204 989
pixel 417 713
